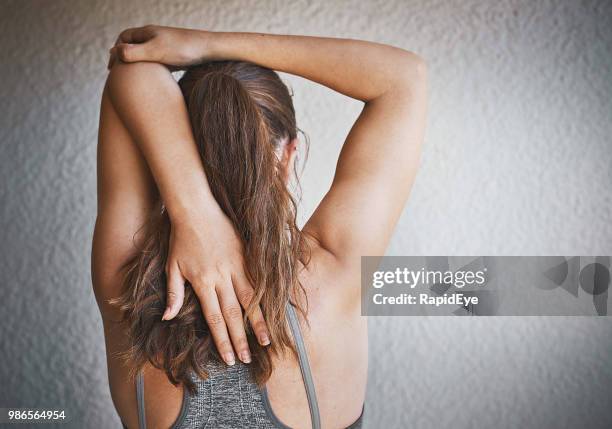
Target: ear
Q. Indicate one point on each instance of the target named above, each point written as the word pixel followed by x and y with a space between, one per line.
pixel 289 154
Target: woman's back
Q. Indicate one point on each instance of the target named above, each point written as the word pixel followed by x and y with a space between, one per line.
pixel 336 340
pixel 333 357
pixel 204 165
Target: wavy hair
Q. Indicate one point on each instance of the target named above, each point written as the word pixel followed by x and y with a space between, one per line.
pixel 241 115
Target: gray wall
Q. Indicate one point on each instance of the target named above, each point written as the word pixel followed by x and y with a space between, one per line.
pixel 517 161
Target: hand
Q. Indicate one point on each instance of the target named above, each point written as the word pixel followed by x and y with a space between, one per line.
pixel 206 251
pixel 174 47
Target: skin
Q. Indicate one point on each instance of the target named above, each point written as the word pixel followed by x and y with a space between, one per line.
pixel 145 146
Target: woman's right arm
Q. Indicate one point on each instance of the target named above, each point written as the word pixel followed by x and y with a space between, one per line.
pixel 379 158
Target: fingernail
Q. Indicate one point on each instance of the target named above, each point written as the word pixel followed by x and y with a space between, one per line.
pixel 229 359
pixel 264 340
pixel 165 315
pixel 245 357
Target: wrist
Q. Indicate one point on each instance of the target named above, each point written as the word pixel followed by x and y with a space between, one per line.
pixel 209 45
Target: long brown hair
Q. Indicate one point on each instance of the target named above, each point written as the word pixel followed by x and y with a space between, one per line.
pixel 240 114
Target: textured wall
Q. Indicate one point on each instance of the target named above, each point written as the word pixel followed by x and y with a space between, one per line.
pixel 517 161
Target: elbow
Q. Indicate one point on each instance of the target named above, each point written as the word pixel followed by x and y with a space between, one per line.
pixel 420 68
pixel 411 72
pixel 415 70
pixel 131 79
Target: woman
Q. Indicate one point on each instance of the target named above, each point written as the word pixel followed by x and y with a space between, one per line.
pixel 195 221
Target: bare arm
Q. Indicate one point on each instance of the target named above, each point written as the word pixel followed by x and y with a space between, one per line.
pixel 379 159
pixel 126 195
pixel 204 248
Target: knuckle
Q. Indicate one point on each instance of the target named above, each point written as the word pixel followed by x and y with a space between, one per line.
pixel 198 278
pixel 233 312
pixel 224 285
pixel 215 320
pixel 150 30
pixel 173 300
pixel 224 345
pixel 124 53
pixel 242 344
pixel 223 267
pixel 245 296
pixel 259 326
pixel 203 279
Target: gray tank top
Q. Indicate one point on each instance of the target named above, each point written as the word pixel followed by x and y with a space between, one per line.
pixel 229 399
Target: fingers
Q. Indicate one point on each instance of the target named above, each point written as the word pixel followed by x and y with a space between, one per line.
pixel 112 58
pixel 132 45
pixel 215 320
pixel 176 292
pixel 232 313
pixel 130 53
pixel 259 326
pixel 137 34
pixel 244 291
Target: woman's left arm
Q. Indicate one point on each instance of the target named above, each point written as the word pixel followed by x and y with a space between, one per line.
pixel 204 247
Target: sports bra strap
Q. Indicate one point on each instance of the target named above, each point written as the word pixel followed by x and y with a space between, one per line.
pixel 142 418
pixel 311 394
